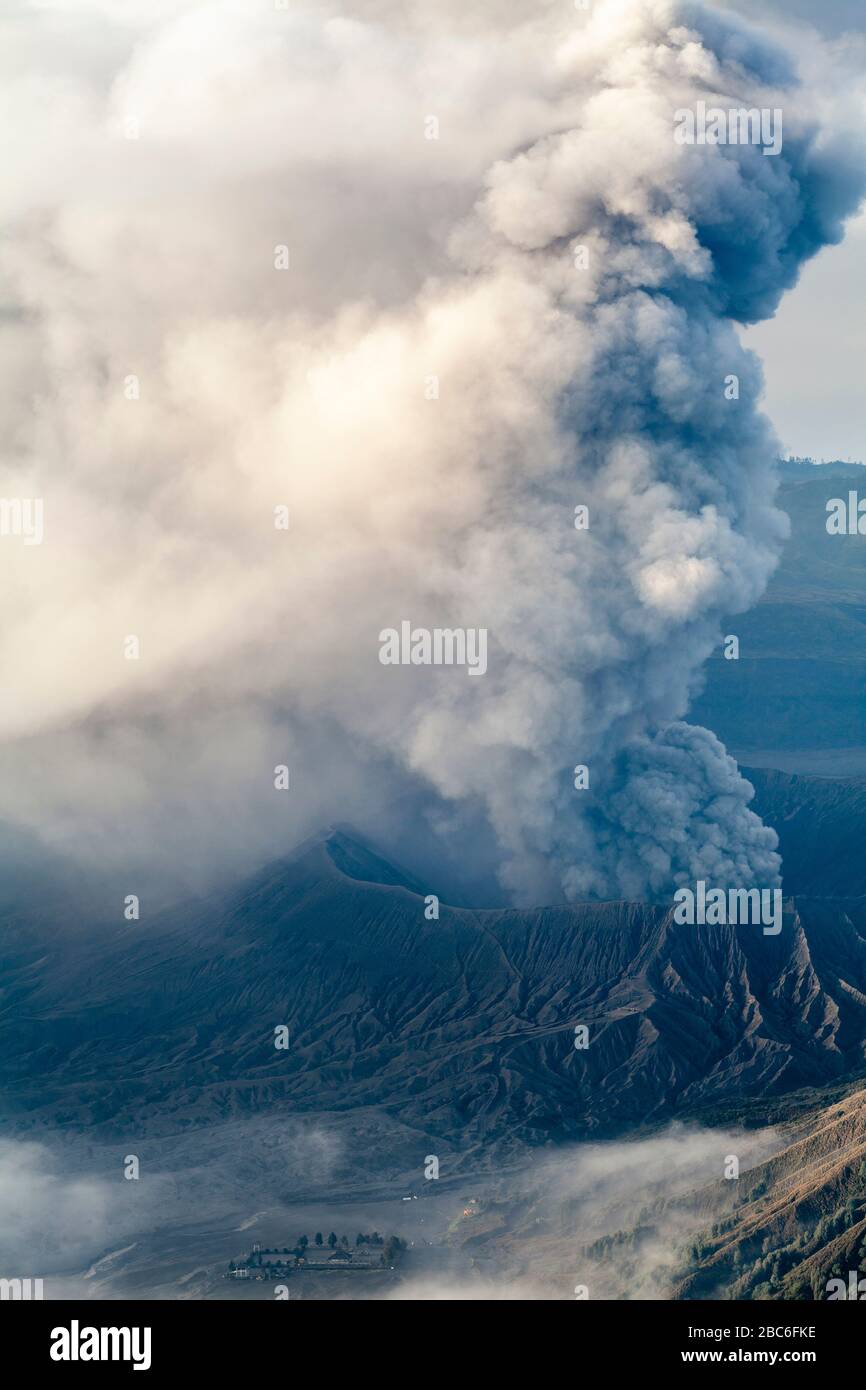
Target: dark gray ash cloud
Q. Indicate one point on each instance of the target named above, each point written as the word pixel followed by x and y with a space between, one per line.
pixel 153 257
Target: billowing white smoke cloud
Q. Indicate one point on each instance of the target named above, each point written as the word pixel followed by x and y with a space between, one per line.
pixel 410 258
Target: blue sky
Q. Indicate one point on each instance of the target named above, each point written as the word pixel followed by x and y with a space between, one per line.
pixel 831 16
pixel 814 348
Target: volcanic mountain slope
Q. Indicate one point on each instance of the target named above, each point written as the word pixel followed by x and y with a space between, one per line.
pixel 793 1223
pixel 820 823
pixel 461 1028
pixel 797 694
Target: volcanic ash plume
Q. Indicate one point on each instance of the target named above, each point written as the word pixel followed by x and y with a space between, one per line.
pixel 432 284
